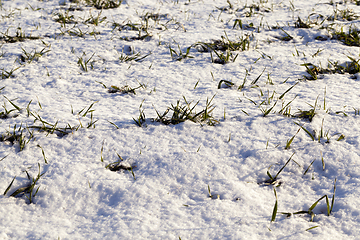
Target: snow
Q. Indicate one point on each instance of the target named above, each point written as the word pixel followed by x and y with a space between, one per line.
pixel 164 191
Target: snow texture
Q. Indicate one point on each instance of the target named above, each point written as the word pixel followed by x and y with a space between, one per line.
pixel 67 110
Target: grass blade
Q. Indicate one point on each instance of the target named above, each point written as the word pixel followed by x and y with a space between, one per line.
pixel 269 110
pixel 4 157
pixel 43 153
pixel 20 190
pixel 8 188
pixel 308 167
pixel 333 198
pixel 275 208
pixel 254 82
pixel 307 131
pixel 315 203
pixel 132 172
pixel 284 166
pixel 288 143
pixel 311 228
pixel 17 108
pixel 282 95
pixel 115 124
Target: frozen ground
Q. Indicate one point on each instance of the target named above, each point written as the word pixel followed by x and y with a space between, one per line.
pixel 66 66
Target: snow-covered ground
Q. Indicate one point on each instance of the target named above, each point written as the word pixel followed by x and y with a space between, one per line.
pixel 269 140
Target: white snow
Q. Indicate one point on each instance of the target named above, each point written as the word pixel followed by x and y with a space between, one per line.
pixel 166 194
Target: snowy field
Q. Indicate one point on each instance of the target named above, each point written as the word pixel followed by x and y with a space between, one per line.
pixel 174 119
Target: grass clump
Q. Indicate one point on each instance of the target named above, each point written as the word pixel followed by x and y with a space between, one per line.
pixel 212 196
pixel 229 7
pixel 343 15
pixel 141 120
pixel 329 206
pixel 184 112
pixel 287 37
pixel 351 38
pixel 124 89
pixel 301 24
pixel 133 57
pixel 142 29
pixel 224 44
pixel 180 55
pixel 33 55
pixel 16 135
pixel 310 114
pixel 130 26
pixel 104 4
pixel 23 135
pixel 224 48
pixel 154 16
pixel 305 114
pixel 141 37
pixel 238 22
pixel 223 58
pixel 351 67
pixel 273 180
pixel 20 36
pixel 30 190
pixel 95 20
pixel 7 113
pixel 255 9
pixel 64 18
pixel 312 20
pixel 318 135
pixel 121 165
pixel 7 74
pixel 225 84
pixel 84 63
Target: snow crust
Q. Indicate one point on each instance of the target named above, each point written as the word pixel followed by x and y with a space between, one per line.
pixel 166 196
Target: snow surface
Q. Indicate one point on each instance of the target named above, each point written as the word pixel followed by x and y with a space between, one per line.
pixel 175 165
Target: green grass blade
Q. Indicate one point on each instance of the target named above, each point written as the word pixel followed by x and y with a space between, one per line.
pixel 43 153
pixel 8 188
pixel 308 167
pixel 307 131
pixel 4 157
pixel 284 166
pixel 342 136
pixel 333 198
pixel 20 190
pixel 17 108
pixel 269 110
pixel 282 95
pixel 101 151
pixel 288 143
pixel 311 228
pixel 115 124
pixel 227 83
pixel 255 81
pixel 132 172
pixel 275 208
pixel 88 110
pixel 315 203
pixel 327 205
pixel 310 71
